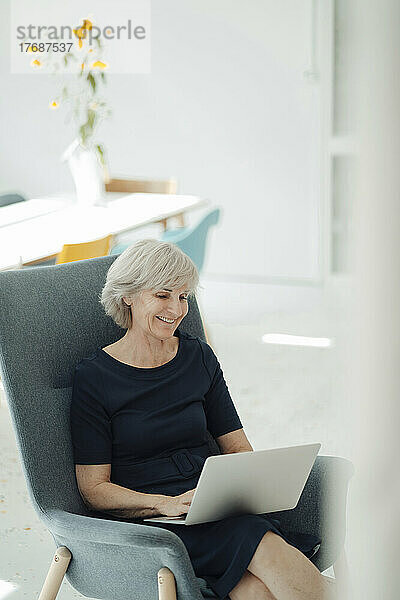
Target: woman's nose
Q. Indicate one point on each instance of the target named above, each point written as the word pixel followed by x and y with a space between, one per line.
pixel 175 307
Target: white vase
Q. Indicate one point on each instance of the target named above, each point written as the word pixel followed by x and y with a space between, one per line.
pixel 86 173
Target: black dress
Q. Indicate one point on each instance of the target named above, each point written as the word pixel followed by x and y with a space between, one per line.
pixel 151 425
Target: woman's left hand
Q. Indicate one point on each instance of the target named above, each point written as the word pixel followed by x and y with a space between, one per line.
pixel 175 506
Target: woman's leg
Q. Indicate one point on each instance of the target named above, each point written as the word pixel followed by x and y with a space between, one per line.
pixel 287 572
pixel 250 588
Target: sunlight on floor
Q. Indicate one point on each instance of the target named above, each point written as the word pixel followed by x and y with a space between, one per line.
pixel 296 340
pixel 6 588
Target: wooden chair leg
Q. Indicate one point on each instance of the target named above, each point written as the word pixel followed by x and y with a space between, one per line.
pixel 56 574
pixel 342 575
pixel 166 585
pixel 180 218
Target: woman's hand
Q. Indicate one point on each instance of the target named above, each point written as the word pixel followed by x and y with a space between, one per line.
pixel 174 506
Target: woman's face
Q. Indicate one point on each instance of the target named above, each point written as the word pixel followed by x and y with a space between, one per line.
pixel 159 312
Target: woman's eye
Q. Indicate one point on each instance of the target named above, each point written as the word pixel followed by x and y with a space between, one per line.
pixel 164 296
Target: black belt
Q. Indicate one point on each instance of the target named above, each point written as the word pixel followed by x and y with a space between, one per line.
pixel 185 462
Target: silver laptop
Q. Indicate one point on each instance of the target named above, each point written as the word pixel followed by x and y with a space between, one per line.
pixel 256 482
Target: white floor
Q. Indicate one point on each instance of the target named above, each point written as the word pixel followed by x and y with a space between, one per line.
pixel 284 394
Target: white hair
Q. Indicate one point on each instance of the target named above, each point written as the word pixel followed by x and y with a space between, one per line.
pixel 146 265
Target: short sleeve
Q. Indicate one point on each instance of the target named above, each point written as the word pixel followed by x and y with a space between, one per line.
pixel 90 423
pixel 220 411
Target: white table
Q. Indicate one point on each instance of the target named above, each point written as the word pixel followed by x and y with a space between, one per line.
pixel 48 223
pixel 30 209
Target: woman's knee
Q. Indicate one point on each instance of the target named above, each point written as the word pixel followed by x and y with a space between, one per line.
pixel 271 550
pixel 250 588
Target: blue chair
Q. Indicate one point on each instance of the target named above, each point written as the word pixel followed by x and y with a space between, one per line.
pixel 192 240
pixel 6 199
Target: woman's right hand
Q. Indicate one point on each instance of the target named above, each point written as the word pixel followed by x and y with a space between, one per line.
pixel 175 506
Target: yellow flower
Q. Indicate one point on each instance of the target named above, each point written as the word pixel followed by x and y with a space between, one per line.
pixel 54 104
pixel 82 66
pixel 80 43
pixel 80 32
pixel 36 63
pixel 99 64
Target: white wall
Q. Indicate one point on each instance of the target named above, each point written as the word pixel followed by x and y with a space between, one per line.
pixel 226 110
pixel 374 516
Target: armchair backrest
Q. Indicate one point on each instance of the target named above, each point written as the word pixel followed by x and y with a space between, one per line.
pixel 51 318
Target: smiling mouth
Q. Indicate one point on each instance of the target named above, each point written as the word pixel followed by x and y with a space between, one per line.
pixel 165 320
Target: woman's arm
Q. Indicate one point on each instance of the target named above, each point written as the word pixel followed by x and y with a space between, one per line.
pixel 235 441
pixel 100 494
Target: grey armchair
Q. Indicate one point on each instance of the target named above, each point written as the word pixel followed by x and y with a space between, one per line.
pixel 49 319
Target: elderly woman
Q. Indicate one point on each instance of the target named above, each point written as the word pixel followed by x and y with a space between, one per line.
pixel 140 412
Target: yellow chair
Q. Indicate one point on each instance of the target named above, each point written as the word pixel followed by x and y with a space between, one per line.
pixel 73 252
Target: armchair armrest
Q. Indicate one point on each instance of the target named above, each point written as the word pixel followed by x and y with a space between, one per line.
pixel 120 560
pixel 105 531
pixel 321 509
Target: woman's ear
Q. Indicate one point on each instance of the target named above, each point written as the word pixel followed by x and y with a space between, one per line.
pixel 128 301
